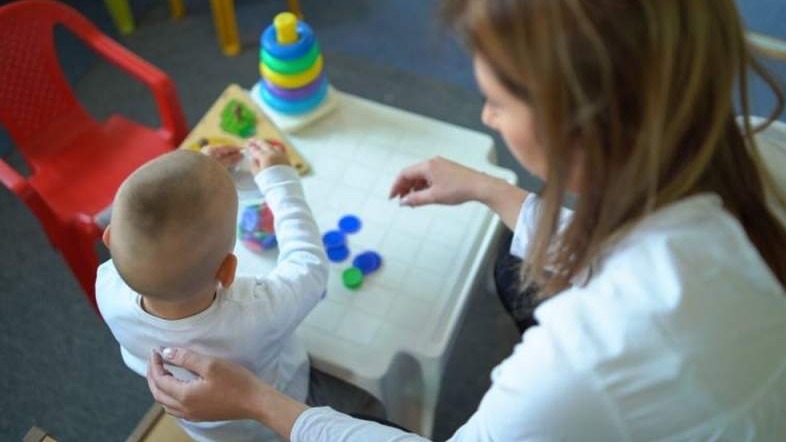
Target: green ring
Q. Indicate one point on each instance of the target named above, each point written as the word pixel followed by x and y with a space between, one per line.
pixel 291 66
pixel 352 278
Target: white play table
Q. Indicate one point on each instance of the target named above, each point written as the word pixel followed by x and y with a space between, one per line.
pixel 392 336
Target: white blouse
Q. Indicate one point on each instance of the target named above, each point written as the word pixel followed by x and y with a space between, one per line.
pixel 679 334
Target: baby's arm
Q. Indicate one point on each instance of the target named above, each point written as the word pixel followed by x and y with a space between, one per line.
pixel 300 278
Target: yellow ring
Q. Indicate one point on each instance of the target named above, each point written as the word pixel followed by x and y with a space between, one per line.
pixel 292 81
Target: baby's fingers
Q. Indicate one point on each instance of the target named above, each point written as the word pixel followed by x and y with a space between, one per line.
pixel 226 155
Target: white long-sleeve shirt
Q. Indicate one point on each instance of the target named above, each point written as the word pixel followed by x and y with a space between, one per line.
pixel 251 322
pixel 680 334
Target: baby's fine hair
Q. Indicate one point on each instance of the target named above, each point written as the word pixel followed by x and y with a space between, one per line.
pixel 173 222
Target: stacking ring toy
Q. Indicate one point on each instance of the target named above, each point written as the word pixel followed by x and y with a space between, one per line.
pixel 293 66
pixel 294 107
pixel 295 94
pixel 292 81
pixel 290 51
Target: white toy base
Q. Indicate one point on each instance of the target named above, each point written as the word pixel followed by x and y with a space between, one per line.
pixel 293 123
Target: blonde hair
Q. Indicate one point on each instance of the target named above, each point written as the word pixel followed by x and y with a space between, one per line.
pixel 173 223
pixel 645 89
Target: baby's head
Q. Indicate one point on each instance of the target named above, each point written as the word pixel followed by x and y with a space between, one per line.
pixel 173 227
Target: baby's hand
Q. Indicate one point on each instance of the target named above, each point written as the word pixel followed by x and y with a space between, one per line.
pixel 264 155
pixel 228 156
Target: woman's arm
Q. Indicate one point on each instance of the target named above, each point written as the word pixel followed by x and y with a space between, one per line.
pixel 536 394
pixel 225 391
pixel 441 181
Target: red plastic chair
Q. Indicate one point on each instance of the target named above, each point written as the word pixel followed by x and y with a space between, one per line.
pixel 76 163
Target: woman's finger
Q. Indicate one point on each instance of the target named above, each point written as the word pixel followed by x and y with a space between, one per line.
pixel 192 361
pixel 162 398
pixel 403 188
pixel 408 178
pixel 419 198
pixel 174 411
pixel 165 388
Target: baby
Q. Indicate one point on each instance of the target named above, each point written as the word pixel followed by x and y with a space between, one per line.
pixel 171 277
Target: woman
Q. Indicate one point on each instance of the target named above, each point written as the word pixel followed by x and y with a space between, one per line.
pixel 665 312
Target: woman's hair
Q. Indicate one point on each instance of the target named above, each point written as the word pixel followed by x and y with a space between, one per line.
pixel 645 89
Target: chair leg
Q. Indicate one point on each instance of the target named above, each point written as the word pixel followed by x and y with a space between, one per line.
pixel 177 9
pixel 294 7
pixel 226 25
pixel 121 15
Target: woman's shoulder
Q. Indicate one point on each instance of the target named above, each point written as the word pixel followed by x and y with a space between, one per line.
pixel 686 274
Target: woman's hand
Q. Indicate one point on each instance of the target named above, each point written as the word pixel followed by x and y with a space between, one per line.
pixel 222 391
pixel 264 155
pixel 438 181
pixel 441 181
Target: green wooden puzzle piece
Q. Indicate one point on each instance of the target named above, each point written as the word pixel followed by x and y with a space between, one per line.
pixel 238 119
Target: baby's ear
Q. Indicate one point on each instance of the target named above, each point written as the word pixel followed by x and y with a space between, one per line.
pixel 226 271
pixel 105 237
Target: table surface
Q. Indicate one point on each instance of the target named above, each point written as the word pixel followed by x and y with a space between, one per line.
pixel 431 255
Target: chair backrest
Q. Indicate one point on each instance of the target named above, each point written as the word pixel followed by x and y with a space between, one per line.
pixel 770 47
pixel 36 101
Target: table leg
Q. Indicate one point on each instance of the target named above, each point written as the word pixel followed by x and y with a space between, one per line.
pixel 121 15
pixel 177 9
pixel 226 25
pixel 432 377
pixel 410 390
pixel 294 7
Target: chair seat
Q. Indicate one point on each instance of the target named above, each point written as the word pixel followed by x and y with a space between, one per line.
pixel 113 151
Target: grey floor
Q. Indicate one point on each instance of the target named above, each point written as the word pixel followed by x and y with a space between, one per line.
pixel 60 368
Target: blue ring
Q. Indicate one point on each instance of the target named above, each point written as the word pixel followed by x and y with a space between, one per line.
pixel 294 107
pixel 289 51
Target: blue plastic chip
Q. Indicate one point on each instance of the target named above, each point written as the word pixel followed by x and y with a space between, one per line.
pixel 338 254
pixel 349 224
pixel 367 262
pixel 333 239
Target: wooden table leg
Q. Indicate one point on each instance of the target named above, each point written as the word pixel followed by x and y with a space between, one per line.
pixel 294 7
pixel 226 26
pixel 177 9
